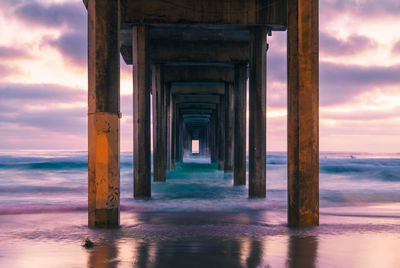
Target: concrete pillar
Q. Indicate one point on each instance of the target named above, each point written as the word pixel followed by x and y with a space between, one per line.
pixel 173 132
pixel 185 137
pixel 141 111
pixel 257 112
pixel 188 142
pixel 239 170
pixel 213 135
pixel 180 139
pixel 103 114
pixel 159 124
pixel 202 143
pixel 229 126
pixel 176 135
pixel 303 150
pixel 168 107
pixel 221 133
pixel 208 131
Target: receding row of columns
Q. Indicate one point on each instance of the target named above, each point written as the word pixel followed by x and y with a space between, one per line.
pixel 223 134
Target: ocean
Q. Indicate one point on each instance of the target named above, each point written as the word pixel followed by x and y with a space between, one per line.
pixel 197 218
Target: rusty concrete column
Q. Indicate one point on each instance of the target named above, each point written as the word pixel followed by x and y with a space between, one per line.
pixel 159 124
pixel 173 131
pixel 141 111
pixel 165 125
pixel 103 113
pixel 202 143
pixel 303 150
pixel 168 107
pixel 239 169
pixel 179 141
pixel 221 133
pixel 208 140
pixel 188 141
pixel 213 135
pixel 229 126
pixel 257 111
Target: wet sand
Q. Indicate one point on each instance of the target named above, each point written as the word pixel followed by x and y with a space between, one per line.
pixel 247 239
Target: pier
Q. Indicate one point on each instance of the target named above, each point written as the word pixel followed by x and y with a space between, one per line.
pixel 194 59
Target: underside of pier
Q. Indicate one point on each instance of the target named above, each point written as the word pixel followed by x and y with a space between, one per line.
pixel 195 62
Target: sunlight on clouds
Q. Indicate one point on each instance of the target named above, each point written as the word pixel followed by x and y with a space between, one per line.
pixel 328 122
pixel 15 33
pixel 375 100
pixel 385 32
pixel 46 64
pixel 126 82
pixel 57 105
pixel 272 113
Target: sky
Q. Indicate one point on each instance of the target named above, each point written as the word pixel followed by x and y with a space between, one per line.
pixel 43 77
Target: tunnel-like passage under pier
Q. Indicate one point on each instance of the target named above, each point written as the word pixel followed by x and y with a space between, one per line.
pixel 193 61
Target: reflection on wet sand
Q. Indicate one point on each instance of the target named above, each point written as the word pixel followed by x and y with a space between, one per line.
pixel 302 251
pixel 103 255
pixel 197 240
pixel 200 252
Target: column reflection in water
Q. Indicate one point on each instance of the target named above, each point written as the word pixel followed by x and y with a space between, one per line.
pixel 303 251
pixel 179 252
pixel 103 255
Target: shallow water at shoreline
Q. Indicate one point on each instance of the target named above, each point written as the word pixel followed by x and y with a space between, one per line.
pixel 177 239
pixel 196 218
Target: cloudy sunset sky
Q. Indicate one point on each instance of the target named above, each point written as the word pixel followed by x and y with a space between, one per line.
pixel 43 77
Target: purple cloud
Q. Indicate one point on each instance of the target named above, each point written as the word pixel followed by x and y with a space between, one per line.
pixel 39 92
pixel 70 18
pixel 362 8
pixel 12 53
pixel 354 44
pixel 6 70
pixel 361 115
pixel 71 15
pixel 17 100
pixel 72 45
pixel 396 48
pixel 341 83
pixel 65 120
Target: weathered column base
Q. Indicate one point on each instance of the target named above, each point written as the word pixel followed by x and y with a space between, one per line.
pixel 104 165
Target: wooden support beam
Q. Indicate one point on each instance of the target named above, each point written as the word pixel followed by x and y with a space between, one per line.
pixel 257 112
pixel 199 88
pixel 303 147
pixel 239 171
pixel 141 112
pixel 229 126
pixel 103 114
pixel 195 73
pixel 159 124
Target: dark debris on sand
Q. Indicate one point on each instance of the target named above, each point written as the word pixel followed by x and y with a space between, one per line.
pixel 87 243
